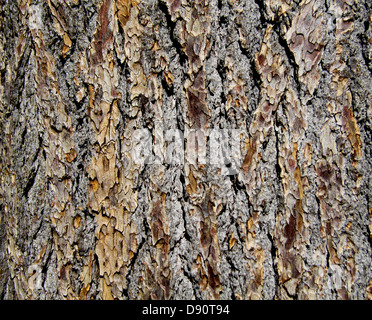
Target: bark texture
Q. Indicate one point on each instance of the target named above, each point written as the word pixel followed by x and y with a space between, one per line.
pixel 82 219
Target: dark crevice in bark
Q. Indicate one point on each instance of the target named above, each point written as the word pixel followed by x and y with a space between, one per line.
pixel 293 296
pixel 46 265
pixel 15 88
pixel 221 70
pixel 131 266
pixel 171 25
pixel 273 251
pixel 232 265
pixel 186 234
pixel 279 195
pixel 30 181
pixel 255 75
pixel 185 198
pixel 87 213
pixel 261 8
pixel 39 148
pixel 233 269
pixel 23 135
pixel 278 169
pixel 354 107
pixel 39 227
pixel 365 43
pixel 290 57
pixel 237 185
pixel 173 247
pixel 180 123
pixel 318 210
pixel 222 20
pixel 169 89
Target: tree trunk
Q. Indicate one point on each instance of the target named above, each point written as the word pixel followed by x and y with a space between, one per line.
pixel 180 149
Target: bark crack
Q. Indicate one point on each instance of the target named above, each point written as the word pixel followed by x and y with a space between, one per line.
pixel 290 58
pixel 279 195
pixel 293 296
pixel 261 8
pixel 364 43
pixel 185 198
pixel 30 181
pixel 46 264
pixel 255 75
pixel 273 251
pixel 171 25
pixel 131 266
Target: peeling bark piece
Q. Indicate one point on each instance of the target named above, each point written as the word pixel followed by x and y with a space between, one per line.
pixel 306 41
pixel 123 11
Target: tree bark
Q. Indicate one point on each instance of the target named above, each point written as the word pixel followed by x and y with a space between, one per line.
pixel 83 216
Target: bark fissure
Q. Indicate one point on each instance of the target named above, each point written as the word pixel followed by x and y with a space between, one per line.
pixel 364 41
pixel 30 181
pixel 273 252
pixel 290 58
pixel 172 26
